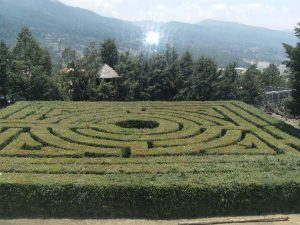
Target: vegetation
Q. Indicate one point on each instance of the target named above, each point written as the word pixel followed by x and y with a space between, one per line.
pixel 26 71
pixel 28 74
pixel 294 65
pixel 181 159
pixel 180 140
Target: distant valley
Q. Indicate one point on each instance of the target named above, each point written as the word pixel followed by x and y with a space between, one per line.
pixel 58 26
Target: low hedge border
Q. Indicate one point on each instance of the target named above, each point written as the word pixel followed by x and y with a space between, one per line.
pixel 152 202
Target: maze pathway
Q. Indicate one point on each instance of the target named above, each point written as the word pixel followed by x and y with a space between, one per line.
pixel 68 129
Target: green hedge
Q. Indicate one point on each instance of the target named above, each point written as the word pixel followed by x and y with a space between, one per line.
pixel 146 202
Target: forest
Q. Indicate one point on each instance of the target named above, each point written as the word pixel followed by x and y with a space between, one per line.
pixel 28 73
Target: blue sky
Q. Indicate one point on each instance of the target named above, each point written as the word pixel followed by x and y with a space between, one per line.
pixel 276 14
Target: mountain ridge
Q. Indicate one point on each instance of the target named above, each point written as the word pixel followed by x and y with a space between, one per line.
pixel 58 25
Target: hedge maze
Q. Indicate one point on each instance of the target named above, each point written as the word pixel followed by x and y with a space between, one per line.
pixel 179 158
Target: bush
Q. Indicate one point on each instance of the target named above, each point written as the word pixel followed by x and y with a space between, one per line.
pixel 146 202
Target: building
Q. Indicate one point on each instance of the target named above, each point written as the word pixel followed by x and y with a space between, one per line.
pixel 106 72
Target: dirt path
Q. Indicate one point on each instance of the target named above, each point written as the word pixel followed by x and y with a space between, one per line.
pixel 294 220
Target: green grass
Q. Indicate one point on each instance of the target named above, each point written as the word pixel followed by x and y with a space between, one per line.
pixel 82 159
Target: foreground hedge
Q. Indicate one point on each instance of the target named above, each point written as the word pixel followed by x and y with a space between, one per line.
pixel 71 201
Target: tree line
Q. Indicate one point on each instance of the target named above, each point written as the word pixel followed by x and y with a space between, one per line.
pixel 27 73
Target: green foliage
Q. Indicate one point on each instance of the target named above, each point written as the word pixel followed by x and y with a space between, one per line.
pixel 92 56
pixel 109 53
pixel 294 65
pixel 79 84
pixel 159 81
pixel 202 84
pixel 128 68
pixel 26 71
pixel 252 89
pixel 185 71
pixel 130 201
pixel 180 159
pixel 68 57
pixel 106 91
pixel 28 54
pixel 4 71
pixel 271 77
pixel 228 86
pixel 170 76
pixel 43 87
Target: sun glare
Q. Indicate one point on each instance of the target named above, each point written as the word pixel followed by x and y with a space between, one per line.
pixel 152 38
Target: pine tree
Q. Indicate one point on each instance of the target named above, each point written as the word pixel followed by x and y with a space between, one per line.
pixel 294 65
pixel 31 65
pixel 109 53
pixel 157 80
pixel 128 70
pixel 228 86
pixel 4 72
pixel 27 54
pixel 271 77
pixel 202 85
pixel 172 73
pixel 252 88
pixel 185 65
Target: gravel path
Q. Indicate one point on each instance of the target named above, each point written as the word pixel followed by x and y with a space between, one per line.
pixel 294 220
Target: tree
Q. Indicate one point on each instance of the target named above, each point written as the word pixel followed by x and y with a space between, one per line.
pixel 46 62
pixel 31 70
pixel 203 83
pixel 28 54
pixel 172 72
pixel 294 65
pixel 185 65
pixel 68 57
pixel 143 71
pixel 92 58
pixel 109 53
pixel 77 84
pixel 160 79
pixel 252 88
pixel 43 87
pixel 19 87
pixel 228 86
pixel 4 71
pixel 128 70
pixel 106 91
pixel 271 77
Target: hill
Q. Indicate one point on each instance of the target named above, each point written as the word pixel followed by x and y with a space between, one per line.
pixel 228 41
pixel 58 25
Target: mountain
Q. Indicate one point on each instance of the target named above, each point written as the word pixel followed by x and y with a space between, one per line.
pixel 227 41
pixel 57 25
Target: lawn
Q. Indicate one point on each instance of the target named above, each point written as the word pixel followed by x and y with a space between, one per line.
pixel 146 160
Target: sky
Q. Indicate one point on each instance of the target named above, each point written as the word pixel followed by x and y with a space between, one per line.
pixel 274 14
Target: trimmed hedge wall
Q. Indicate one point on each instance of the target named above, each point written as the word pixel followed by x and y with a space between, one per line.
pixel 146 202
pixel 71 159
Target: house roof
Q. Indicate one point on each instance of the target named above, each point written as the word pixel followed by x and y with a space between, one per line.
pixel 106 72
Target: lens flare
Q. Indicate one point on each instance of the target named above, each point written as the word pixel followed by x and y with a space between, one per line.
pixel 152 38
